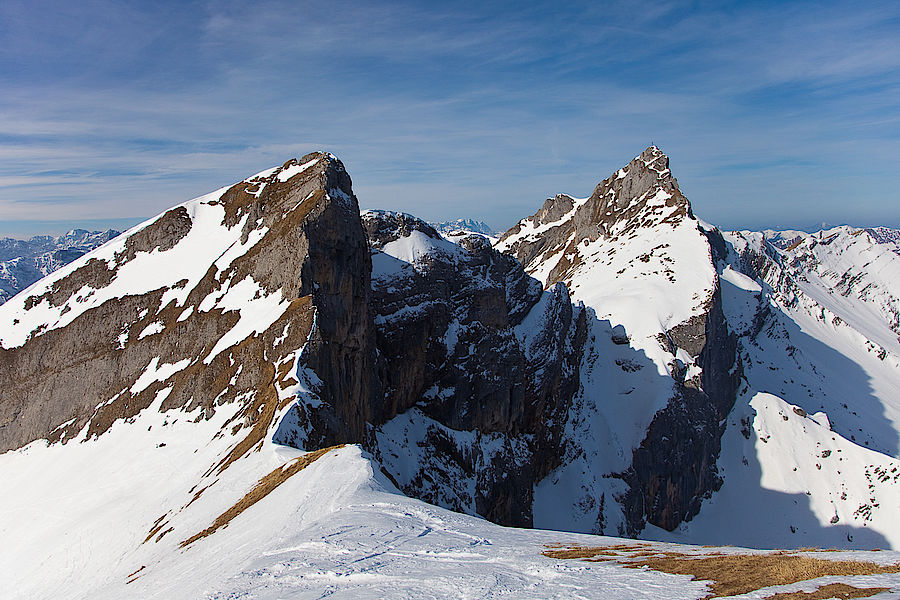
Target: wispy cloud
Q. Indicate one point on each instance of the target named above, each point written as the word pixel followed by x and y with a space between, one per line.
pixel 772 113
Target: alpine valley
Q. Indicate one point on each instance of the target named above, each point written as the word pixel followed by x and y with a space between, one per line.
pixel 266 393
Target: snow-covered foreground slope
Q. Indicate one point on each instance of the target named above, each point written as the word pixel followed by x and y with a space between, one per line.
pixel 337 528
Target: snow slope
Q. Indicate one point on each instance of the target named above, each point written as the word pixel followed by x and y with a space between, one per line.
pixel 813 437
pixel 337 528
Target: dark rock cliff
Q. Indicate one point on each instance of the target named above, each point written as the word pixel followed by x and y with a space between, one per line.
pixel 448 347
pixel 674 469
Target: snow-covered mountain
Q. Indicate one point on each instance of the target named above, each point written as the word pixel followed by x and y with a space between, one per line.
pixel 782 350
pixel 814 434
pixel 460 227
pixel 22 262
pixel 228 399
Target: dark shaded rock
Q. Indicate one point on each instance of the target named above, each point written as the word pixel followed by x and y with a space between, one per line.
pixel 448 347
pixel 674 469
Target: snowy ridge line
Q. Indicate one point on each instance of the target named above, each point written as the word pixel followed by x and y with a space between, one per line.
pixel 207 241
pixel 643 375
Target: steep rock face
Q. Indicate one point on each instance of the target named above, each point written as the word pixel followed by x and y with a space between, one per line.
pixel 636 256
pixel 478 365
pixel 211 303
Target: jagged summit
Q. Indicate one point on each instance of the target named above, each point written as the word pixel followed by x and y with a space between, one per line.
pixel 637 259
pixel 642 195
pixel 169 311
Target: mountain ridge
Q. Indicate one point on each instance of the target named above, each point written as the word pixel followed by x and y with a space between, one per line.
pixel 612 365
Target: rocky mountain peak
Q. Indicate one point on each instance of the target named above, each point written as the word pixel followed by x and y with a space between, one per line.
pixel 641 195
pixel 207 305
pixel 647 171
pixel 384 226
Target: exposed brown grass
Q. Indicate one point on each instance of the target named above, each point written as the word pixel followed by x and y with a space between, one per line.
pixel 728 574
pixel 832 590
pixel 157 527
pixel 574 552
pixel 795 245
pixel 135 575
pixel 262 489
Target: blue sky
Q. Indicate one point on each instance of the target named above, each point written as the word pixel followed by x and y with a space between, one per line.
pixel 774 114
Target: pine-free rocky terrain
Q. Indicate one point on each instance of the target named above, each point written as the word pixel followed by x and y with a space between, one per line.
pixel 266 393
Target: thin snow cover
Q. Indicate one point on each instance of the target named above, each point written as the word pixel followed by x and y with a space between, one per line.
pixel 157 372
pixel 207 242
pixel 257 310
pixel 188 259
pixel 289 172
pixel 530 230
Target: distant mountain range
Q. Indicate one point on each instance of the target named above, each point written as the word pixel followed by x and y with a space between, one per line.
pixel 462 226
pixel 22 262
pixel 263 392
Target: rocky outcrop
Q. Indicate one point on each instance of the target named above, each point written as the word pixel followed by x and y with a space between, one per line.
pixel 452 344
pixel 292 244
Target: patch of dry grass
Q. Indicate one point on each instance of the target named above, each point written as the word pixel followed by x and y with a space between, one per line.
pixel 832 590
pixel 729 574
pixel 262 489
pixel 573 552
